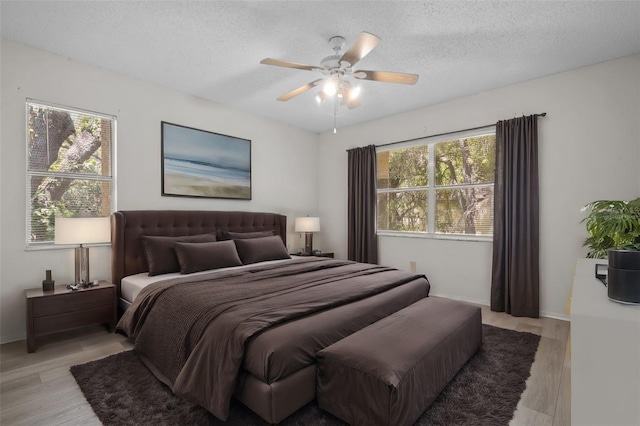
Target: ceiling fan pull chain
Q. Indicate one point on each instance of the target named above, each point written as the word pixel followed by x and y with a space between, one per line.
pixel 335 112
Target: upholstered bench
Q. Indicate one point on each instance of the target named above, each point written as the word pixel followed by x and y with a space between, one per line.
pixel 391 371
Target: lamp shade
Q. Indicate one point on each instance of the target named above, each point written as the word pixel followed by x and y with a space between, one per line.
pixel 307 224
pixel 82 230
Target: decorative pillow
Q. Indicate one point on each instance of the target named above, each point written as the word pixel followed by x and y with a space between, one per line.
pixel 161 257
pixel 195 257
pixel 229 235
pixel 260 249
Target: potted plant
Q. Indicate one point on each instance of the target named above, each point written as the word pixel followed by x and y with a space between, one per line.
pixel 612 225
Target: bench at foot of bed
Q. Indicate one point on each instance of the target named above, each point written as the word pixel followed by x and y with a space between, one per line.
pixel 390 372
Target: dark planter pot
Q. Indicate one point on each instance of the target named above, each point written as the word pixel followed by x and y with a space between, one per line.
pixel 624 259
pixel 624 276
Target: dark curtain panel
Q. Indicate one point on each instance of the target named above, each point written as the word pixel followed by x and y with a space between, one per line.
pixel 361 223
pixel 516 271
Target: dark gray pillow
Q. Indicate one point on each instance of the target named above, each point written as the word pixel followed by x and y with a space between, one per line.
pixel 195 257
pixel 230 235
pixel 161 257
pixel 260 249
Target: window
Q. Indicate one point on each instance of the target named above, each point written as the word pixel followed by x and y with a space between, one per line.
pixel 438 187
pixel 69 167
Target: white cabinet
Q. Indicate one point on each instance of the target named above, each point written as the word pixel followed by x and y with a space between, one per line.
pixel 605 354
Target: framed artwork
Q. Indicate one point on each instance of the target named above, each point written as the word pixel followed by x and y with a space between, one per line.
pixel 197 163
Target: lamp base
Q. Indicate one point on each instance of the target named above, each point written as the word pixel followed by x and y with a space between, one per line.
pixel 82 265
pixel 308 243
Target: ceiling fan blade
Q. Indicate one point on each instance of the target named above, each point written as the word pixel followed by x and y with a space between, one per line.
pixel 386 77
pixel 364 44
pixel 287 64
pixel 299 90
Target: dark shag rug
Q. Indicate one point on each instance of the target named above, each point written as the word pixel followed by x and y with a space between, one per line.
pixel 122 391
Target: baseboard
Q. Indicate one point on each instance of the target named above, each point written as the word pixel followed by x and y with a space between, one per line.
pixel 555 315
pixel 12 338
pixel 462 299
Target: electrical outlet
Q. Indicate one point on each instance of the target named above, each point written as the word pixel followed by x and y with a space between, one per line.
pixel 412 265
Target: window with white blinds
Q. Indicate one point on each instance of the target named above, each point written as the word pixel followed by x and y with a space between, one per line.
pixel 69 167
pixel 438 187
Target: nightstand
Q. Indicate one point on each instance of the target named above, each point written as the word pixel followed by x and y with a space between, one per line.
pixel 50 312
pixel 323 254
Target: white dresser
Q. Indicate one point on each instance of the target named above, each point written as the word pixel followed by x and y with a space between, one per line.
pixel 605 354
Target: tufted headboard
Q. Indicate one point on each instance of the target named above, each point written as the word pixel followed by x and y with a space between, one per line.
pixel 127 254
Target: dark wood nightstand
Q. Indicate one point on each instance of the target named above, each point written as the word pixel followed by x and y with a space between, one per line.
pixel 323 254
pixel 50 312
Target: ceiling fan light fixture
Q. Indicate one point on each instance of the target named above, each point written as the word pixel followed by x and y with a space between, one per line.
pixel 338 69
pixel 321 97
pixel 354 92
pixel 330 88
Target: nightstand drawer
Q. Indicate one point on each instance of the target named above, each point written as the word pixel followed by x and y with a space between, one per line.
pixel 73 301
pixel 71 320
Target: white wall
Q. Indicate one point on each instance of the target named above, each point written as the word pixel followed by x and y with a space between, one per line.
pixel 283 178
pixel 589 147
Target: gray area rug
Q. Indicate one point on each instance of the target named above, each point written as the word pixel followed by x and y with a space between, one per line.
pixel 122 391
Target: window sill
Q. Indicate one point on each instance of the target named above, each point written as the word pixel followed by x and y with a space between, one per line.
pixel 451 237
pixel 51 246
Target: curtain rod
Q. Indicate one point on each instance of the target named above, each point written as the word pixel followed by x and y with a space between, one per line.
pixel 544 114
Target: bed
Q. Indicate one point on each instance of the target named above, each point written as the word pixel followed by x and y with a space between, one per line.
pixel 309 304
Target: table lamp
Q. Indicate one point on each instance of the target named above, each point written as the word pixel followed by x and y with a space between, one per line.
pixel 82 230
pixel 308 225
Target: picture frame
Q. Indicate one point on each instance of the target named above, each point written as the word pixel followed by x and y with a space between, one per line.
pixel 203 164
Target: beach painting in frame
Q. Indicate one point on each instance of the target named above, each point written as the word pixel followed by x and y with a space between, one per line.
pixel 196 163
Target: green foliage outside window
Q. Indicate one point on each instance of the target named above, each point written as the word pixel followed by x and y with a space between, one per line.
pixel 463 172
pixel 403 211
pixel 69 167
pixel 466 161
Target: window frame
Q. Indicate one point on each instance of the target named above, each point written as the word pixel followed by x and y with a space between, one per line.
pixel 50 245
pixel 431 142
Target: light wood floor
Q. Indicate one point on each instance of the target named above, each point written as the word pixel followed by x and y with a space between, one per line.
pixel 38 389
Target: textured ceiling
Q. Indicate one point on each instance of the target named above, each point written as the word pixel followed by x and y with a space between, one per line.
pixel 213 49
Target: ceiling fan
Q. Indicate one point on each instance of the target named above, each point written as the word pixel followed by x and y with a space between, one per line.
pixel 337 67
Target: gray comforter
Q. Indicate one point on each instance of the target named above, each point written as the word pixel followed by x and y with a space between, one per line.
pixel 191 331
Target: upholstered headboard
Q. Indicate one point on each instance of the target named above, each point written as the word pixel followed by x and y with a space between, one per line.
pixel 127 254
